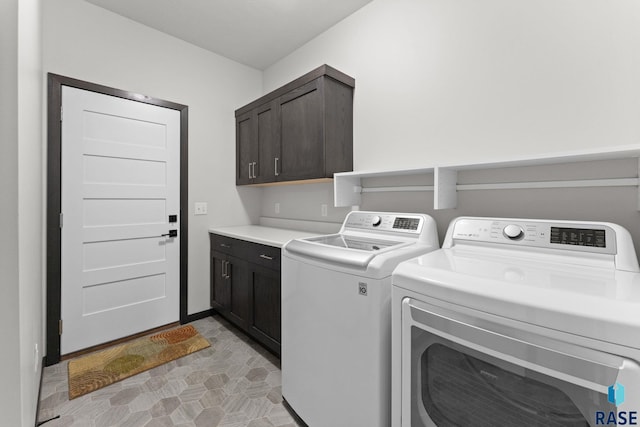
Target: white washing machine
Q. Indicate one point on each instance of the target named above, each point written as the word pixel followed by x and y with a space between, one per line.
pixel 336 317
pixel 518 322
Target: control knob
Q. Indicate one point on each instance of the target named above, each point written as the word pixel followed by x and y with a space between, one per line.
pixel 513 232
pixel 376 221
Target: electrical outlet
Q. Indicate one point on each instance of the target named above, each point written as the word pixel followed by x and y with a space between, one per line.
pixel 323 210
pixel 276 208
pixel 200 208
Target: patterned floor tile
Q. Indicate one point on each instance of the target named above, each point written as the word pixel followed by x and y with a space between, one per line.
pixel 234 383
pixel 143 402
pixel 213 398
pixel 164 407
pixel 137 419
pixel 112 417
pixel 124 397
pixel 186 412
pixel 279 416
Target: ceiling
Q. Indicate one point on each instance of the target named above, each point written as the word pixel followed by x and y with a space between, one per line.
pixel 253 32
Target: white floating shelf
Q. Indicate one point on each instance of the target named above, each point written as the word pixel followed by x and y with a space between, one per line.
pixel 348 187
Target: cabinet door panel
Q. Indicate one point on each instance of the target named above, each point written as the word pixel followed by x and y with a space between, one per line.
pixel 338 137
pixel 266 302
pixel 267 140
pixel 244 156
pixel 219 286
pixel 239 293
pixel 302 133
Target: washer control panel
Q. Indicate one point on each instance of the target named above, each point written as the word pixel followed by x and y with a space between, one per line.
pixel 405 223
pixel 573 236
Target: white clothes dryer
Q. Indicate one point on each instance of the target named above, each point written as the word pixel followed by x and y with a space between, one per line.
pixel 518 322
pixel 336 317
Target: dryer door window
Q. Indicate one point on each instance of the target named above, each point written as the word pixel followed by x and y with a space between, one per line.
pixel 463 375
pixel 461 389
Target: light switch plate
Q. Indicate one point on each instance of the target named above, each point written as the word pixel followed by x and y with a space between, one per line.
pixel 200 208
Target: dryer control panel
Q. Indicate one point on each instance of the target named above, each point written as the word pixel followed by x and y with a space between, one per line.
pixel 572 236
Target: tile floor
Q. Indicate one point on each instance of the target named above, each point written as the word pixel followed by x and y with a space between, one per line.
pixel 234 383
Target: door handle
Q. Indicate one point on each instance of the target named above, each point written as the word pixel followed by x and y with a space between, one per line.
pixel 275 165
pixel 249 170
pixel 225 269
pixel 224 245
pixel 263 256
pixel 228 271
pixel 171 233
pixel 254 170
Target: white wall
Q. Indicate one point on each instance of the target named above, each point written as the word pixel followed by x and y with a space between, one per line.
pixel 440 81
pixel 10 394
pixel 30 206
pixel 21 255
pixel 302 202
pixel 86 42
pixel 465 81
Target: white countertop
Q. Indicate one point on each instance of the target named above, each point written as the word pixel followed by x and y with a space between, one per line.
pixel 270 236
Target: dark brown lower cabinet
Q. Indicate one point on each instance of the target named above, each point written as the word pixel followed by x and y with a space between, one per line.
pixel 245 287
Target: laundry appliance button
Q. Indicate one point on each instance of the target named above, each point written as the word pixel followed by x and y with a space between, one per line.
pixel 513 232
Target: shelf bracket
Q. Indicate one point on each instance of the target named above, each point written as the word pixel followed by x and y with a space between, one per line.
pixel 445 192
pixel 351 197
pixel 638 189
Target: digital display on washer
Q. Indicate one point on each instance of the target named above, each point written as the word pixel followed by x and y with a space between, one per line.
pixel 578 236
pixel 406 223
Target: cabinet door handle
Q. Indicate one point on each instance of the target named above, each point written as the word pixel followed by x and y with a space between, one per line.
pixel 275 165
pixel 224 245
pixel 254 169
pixel 224 267
pixel 249 170
pixel 263 256
pixel 228 270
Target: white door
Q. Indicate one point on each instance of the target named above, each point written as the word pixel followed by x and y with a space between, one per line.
pixel 120 183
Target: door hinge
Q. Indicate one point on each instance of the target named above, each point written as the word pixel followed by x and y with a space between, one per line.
pixel 60 327
pixel 60 219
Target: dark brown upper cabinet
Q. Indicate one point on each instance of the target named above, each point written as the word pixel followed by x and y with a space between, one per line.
pixel 301 131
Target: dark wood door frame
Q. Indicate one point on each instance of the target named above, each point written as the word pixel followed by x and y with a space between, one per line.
pixel 54 199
